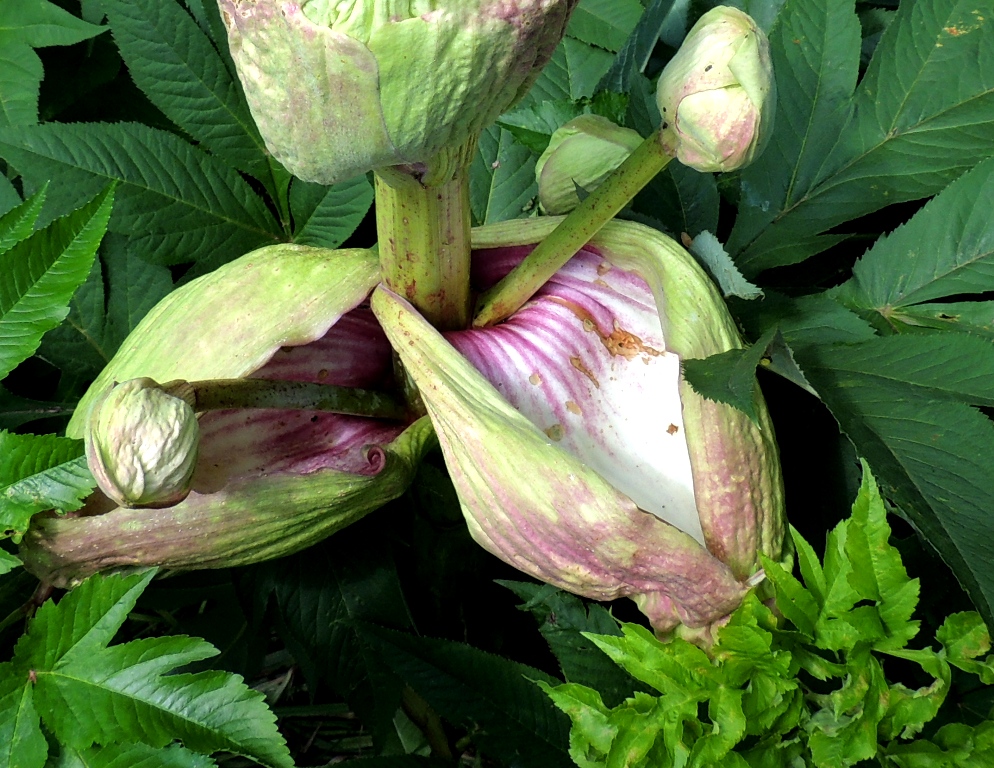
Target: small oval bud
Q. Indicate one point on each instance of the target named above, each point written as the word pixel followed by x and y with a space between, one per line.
pixel 582 153
pixel 716 96
pixel 141 444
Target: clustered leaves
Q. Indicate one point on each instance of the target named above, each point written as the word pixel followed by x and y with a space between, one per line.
pixel 814 689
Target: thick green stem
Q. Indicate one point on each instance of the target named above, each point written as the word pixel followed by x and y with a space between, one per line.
pixel 423 231
pixel 223 394
pixel 575 231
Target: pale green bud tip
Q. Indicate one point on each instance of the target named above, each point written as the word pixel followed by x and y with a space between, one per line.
pixel 716 96
pixel 141 443
pixel 581 154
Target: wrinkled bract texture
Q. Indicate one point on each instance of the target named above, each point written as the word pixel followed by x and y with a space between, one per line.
pixel 717 95
pixel 338 89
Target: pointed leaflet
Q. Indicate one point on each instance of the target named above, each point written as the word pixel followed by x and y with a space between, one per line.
pixel 947 248
pixel 923 114
pixel 605 23
pixel 177 203
pixel 502 178
pixel 634 54
pixel 130 756
pixel 174 63
pixel 327 216
pixel 119 291
pixel 815 49
pixel 494 698
pixel 25 25
pixel 22 744
pixel 39 473
pixel 39 274
pixel 19 222
pixel 87 692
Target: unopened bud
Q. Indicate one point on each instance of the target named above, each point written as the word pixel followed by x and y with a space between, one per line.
pixel 717 94
pixel 141 444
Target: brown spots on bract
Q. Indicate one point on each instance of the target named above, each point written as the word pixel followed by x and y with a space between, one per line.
pixel 672 429
pixel 573 408
pixel 556 432
pixel 603 268
pixel 322 374
pixel 628 345
pixel 577 363
pixel 535 379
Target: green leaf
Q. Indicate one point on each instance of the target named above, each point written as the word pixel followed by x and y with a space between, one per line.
pixel 178 204
pixel 563 620
pixel 22 743
pixel 709 251
pixel 16 410
pixel 922 115
pixel 39 473
pixel 965 637
pixel 8 562
pixel 973 317
pixel 815 48
pixel 9 198
pixel 39 275
pixel 534 125
pixel 947 248
pixel 327 216
pixel 496 698
pixel 119 291
pixel 18 223
pixel 178 68
pixel 25 25
pixel 130 756
pixel 502 178
pixel 604 23
pixel 632 57
pixel 322 596
pixel 88 693
pixel 572 73
pixel 798 605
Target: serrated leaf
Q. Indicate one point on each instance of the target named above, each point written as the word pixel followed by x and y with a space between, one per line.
pixel 572 73
pixel 534 125
pixel 797 604
pixel 502 178
pixel 177 203
pixel 965 637
pixel 947 248
pixel 25 25
pixel 327 216
pixel 321 596
pixel 923 114
pixel 805 321
pixel 18 223
pixel 39 275
pixel 39 473
pixel 84 621
pixel 604 23
pixel 88 693
pixel 632 57
pixel 120 290
pixel 8 562
pixel 562 620
pixel 9 198
pixel 177 67
pixel 929 454
pixel 496 698
pixel 973 317
pixel 130 756
pixel 22 743
pixel 711 253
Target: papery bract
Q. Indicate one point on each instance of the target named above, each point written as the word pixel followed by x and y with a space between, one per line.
pixel 340 88
pixel 579 454
pixel 267 482
pixel 717 94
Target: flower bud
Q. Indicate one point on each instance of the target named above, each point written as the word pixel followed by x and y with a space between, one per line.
pixel 582 153
pixel 141 444
pixel 339 88
pixel 716 96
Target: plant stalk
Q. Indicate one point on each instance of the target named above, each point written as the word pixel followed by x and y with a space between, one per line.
pixel 423 228
pixel 224 394
pixel 575 231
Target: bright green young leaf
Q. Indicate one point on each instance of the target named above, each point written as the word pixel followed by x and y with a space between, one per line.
pixel 922 115
pixel 120 289
pixel 946 249
pixel 712 254
pixel 177 203
pixel 327 216
pixel 965 638
pixel 8 562
pixel 496 698
pixel 88 693
pixel 502 178
pixel 25 25
pixel 22 743
pixel 39 473
pixel 181 72
pixel 39 275
pixel 604 23
pixel 954 746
